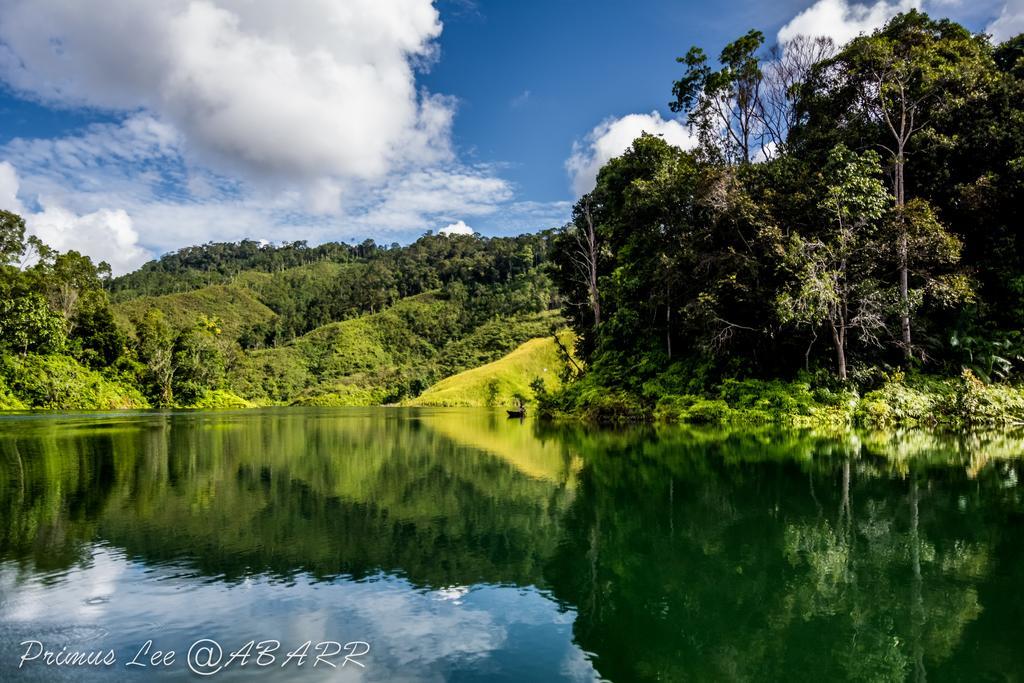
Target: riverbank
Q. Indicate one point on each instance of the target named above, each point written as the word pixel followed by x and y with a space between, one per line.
pixel 894 400
pixel 60 382
pixel 897 400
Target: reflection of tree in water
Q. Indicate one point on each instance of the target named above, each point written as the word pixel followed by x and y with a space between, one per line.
pixel 353 496
pixel 892 596
pixel 685 553
pixel 40 523
pixel 688 560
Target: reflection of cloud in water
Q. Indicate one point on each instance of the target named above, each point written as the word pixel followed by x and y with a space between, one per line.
pixel 96 583
pixel 414 634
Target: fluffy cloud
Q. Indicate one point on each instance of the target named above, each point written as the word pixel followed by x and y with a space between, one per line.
pixel 311 88
pixel 138 166
pixel 611 137
pixel 106 235
pixel 1009 23
pixel 457 228
pixel 843 20
pixel 239 119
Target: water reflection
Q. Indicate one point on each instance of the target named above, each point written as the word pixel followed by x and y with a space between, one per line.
pixel 465 546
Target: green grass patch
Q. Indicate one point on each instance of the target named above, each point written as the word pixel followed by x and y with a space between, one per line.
pixel 497 383
pixel 220 399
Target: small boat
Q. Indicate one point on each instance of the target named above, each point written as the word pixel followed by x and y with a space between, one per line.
pixel 519 412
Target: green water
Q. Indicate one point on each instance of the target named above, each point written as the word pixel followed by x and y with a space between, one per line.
pixel 460 545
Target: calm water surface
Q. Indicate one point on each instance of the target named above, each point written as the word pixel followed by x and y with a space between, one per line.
pixel 463 546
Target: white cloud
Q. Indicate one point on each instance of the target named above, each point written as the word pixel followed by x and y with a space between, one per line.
pixel 457 228
pixel 520 100
pixel 9 189
pixel 612 137
pixel 135 166
pixel 1009 23
pixel 842 20
pixel 105 235
pixel 444 192
pixel 310 88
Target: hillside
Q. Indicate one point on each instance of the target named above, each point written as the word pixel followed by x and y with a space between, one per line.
pixel 231 325
pixel 498 382
pixel 235 308
pixel 379 358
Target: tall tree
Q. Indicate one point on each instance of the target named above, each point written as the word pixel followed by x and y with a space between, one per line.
pixel 745 110
pixel 68 277
pixel 888 87
pixel 785 70
pixel 836 284
pixel 723 105
pixel 156 351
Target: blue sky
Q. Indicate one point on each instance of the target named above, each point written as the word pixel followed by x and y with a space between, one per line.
pixel 129 128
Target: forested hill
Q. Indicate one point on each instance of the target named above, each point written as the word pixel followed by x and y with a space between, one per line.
pixel 237 324
pixel 217 262
pixel 847 232
pixel 309 286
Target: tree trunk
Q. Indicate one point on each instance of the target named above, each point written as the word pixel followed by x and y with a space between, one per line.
pixel 839 343
pixel 903 259
pixel 595 301
pixel 918 615
pixel 668 322
pixel 905 299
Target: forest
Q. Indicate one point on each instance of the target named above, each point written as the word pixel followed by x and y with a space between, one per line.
pixel 234 325
pixel 845 236
pixel 842 244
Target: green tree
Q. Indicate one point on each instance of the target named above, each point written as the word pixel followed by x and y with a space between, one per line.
pixel 836 284
pixel 198 361
pixel 155 349
pixel 27 323
pixel 723 106
pixel 888 88
pixel 70 275
pixel 12 238
pixel 101 340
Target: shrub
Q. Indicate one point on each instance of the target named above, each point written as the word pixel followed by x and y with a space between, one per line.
pixel 341 396
pixel 219 399
pixel 60 382
pixel 896 402
pixel 707 411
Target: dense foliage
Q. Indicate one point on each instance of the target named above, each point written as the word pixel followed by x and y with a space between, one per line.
pixel 850 212
pixel 322 325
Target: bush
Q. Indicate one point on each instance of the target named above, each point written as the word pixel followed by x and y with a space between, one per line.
pixel 9 401
pixel 602 405
pixel 341 396
pixel 707 411
pixel 897 402
pixel 60 382
pixel 219 399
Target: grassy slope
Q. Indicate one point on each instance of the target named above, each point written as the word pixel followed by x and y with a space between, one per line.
pixel 343 363
pixel 360 361
pixel 511 375
pixel 236 307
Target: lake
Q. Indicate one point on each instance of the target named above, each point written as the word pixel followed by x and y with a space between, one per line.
pixel 455 544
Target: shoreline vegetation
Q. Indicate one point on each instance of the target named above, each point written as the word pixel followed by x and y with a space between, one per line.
pixel 841 247
pixel 917 401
